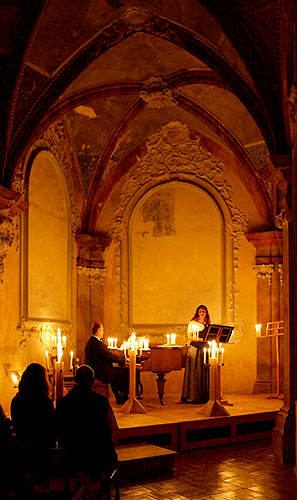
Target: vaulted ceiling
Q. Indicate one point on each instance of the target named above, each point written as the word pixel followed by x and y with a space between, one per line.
pixel 115 71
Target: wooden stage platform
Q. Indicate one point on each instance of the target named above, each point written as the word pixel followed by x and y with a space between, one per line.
pixel 178 426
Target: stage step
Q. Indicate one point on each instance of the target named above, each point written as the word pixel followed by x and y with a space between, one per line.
pixel 141 458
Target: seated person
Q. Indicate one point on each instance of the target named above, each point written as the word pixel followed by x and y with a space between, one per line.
pixel 85 426
pixel 32 411
pixel 101 359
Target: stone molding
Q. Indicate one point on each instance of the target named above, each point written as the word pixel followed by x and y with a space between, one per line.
pixel 11 205
pixel 94 274
pixel 264 271
pixel 156 94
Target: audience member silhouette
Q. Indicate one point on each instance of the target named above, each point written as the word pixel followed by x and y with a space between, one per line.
pixel 32 411
pixel 85 426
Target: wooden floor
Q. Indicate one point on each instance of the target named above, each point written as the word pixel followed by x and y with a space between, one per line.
pixel 242 471
pixel 179 426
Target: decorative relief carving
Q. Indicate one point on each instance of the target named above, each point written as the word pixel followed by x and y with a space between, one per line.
pixel 264 271
pixel 94 274
pixel 133 20
pixel 173 153
pixel 156 94
pixel 9 233
pixel 259 154
pixel 42 332
pixel 280 269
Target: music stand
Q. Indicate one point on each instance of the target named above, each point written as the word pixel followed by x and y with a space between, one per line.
pixel 221 334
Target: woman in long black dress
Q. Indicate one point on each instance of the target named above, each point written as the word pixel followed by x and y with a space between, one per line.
pixel 196 377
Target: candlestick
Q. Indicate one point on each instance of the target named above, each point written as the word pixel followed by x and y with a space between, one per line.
pixel 46 360
pixel 204 355
pixel 71 361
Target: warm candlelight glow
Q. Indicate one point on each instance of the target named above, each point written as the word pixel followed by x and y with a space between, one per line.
pixel 258 329
pixel 64 342
pixel 133 343
pixel 168 338
pixel 59 347
pixel 14 378
pixel 172 338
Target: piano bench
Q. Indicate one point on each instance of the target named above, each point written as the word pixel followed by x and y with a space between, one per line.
pixel 102 388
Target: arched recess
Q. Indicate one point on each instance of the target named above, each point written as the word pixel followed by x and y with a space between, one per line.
pixel 47 243
pixel 176 255
pixel 173 155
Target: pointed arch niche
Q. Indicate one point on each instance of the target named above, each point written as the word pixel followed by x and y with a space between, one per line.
pixel 47 240
pixel 177 255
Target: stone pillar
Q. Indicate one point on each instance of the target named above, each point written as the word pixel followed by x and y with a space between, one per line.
pixel 90 282
pixel 268 268
pixel 284 433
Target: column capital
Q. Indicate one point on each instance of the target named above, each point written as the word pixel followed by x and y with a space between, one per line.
pixel 91 249
pixel 269 246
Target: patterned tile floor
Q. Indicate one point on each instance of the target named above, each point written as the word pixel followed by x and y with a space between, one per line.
pixel 241 471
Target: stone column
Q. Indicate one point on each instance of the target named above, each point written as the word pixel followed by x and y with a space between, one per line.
pixel 284 433
pixel 268 269
pixel 90 285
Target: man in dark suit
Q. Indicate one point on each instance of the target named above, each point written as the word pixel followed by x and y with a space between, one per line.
pixel 86 423
pixel 101 359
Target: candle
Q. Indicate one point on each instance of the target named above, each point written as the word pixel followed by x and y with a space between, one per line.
pixel 115 343
pixel 46 360
pixel 168 338
pixel 64 341
pixel 173 336
pixel 222 355
pixel 71 361
pixel 59 347
pixel 133 344
pixel 146 344
pixel 258 329
pixel 204 355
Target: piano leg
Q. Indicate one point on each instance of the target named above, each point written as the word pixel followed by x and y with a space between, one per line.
pixel 161 385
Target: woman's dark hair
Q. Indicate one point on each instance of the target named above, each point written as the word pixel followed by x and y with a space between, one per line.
pixel 34 382
pixel 196 315
pixel 95 327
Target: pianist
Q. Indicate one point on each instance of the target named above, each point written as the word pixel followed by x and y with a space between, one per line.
pixel 101 359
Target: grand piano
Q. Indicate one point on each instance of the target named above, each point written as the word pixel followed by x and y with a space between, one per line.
pixel 162 359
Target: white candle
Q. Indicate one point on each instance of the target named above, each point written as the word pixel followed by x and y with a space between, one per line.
pixel 173 336
pixel 46 358
pixel 59 347
pixel 133 344
pixel 168 338
pixel 222 355
pixel 146 344
pixel 71 361
pixel 204 355
pixel 258 329
pixel 195 331
pixel 115 343
pixel 64 341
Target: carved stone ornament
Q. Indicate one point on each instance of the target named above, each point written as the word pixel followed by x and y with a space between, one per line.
pixel 9 233
pixel 94 274
pixel 264 271
pixel 133 20
pixel 156 94
pixel 42 332
pixel 280 269
pixel 172 153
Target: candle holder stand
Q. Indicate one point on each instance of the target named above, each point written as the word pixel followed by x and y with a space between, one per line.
pixel 132 405
pixel 214 407
pixel 58 380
